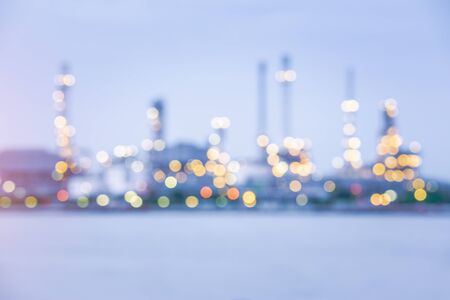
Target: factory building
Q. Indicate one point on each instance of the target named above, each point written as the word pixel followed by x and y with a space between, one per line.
pixel 30 171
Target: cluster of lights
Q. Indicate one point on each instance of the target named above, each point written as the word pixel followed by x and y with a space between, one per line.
pixel 419 188
pixel 394 165
pixel 285 76
pixel 158 144
pixel 63 129
pixel 133 199
pixel 290 160
pixel 352 155
pixel 178 173
pixel 125 153
pixel 12 191
pixel 136 201
pixel 383 199
pixel 222 169
pixel 220 123
pixel 218 165
pixel 297 163
pixel 128 155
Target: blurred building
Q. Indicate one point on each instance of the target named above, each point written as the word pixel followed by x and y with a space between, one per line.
pixel 30 171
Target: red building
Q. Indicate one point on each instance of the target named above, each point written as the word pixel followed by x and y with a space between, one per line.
pixel 31 172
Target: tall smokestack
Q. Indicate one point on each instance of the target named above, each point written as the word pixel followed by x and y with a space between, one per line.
pixel 350 83
pixel 262 98
pixel 63 128
pixel 390 112
pixel 155 114
pixel 286 76
pixel 351 142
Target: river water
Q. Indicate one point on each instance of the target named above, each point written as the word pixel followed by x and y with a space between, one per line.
pixel 242 256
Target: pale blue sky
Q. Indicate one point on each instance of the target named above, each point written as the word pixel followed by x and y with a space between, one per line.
pixel 201 55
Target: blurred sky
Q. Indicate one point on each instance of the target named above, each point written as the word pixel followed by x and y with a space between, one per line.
pixel 201 56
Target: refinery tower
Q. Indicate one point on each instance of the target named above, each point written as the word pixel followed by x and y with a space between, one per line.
pixel 286 76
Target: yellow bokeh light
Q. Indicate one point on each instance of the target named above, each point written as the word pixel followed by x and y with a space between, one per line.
pixel 249 199
pixel 136 201
pixel 418 183
pixel 375 199
pixel 191 202
pixel 273 159
pixel 60 122
pixel 420 195
pixel 295 186
pixel 170 182
pixel 354 143
pixel 280 169
pixel 102 200
pixel 61 167
pixel 175 165
pixel 409 174
pixel 220 170
pixel 385 199
pixel 213 153
pixel 68 79
pixel 350 106
pixel 262 140
pixel 391 194
pixel 378 169
pixel 220 123
pixel 415 161
pixel 403 160
pixel 210 165
pixel 390 162
pixel 128 195
pixel 31 202
pixel 272 149
pixel 352 155
pixel 219 182
pixel 5 202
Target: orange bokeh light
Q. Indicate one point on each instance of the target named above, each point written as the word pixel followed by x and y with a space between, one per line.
pixel 233 193
pixel 206 192
pixel 62 195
